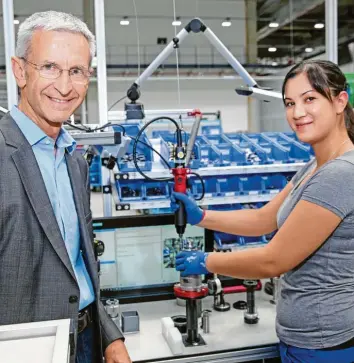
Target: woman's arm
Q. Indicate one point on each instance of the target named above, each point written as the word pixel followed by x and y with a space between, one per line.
pixel 247 222
pixel 303 232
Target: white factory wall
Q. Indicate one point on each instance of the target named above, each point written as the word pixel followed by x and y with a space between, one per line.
pixel 208 95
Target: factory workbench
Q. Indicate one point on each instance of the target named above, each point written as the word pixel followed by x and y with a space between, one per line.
pixel 230 340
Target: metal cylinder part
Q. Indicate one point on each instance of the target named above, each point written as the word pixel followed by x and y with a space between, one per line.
pixel 192 322
pixel 251 305
pixel 112 307
pixel 251 315
pixel 206 321
pixel 191 283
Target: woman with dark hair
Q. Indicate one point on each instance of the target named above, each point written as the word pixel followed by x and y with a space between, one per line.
pixel 314 215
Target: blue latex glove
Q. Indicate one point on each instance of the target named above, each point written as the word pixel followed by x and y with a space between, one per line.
pixel 191 263
pixel 194 214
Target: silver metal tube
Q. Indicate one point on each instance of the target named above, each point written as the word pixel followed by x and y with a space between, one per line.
pixel 332 30
pixel 9 37
pixel 193 136
pixel 161 58
pixel 234 63
pixel 101 62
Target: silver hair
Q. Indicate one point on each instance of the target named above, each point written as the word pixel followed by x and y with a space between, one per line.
pixel 51 20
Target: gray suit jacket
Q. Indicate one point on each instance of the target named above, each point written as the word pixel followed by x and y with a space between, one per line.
pixel 37 281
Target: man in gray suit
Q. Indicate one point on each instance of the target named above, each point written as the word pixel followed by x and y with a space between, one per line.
pixel 47 265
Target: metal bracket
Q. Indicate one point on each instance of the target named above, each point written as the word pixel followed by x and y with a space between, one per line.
pixel 107 189
pixel 121 176
pixel 120 207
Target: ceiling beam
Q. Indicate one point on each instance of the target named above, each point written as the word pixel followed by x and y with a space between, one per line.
pixel 344 35
pixel 283 16
pixel 268 6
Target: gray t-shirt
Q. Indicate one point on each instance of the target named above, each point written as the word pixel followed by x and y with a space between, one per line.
pixel 316 301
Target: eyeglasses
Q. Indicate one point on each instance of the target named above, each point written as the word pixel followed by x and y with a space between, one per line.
pixel 53 71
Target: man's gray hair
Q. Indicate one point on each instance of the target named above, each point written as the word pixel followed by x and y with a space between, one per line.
pixel 51 20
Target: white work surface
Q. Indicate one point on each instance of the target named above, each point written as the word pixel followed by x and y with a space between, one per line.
pixel 39 342
pixel 227 329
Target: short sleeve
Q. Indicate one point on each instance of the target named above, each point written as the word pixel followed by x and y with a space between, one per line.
pixel 332 187
pixel 303 171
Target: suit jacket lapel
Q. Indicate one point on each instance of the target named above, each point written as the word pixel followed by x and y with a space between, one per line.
pixel 33 183
pixel 34 186
pixel 78 188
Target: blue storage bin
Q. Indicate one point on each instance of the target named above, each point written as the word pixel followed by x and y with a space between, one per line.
pixel 156 190
pixel 227 186
pixel 130 191
pixel 273 183
pixel 252 241
pixel 251 184
pixel 210 186
pixel 231 155
pixel 211 130
pixel 266 153
pixel 217 139
pixel 225 207
pixel 292 136
pixel 144 154
pixel 252 153
pixel 298 150
pixel 195 186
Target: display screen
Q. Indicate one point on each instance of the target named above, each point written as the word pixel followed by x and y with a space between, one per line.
pixel 140 251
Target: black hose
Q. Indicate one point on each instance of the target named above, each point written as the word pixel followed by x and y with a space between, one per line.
pixel 202 183
pixel 136 143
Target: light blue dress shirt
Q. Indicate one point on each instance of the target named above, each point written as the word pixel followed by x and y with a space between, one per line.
pixel 52 165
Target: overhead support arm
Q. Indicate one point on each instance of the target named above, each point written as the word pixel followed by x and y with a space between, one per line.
pixel 195 26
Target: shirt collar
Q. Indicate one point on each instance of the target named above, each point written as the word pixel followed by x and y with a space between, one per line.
pixel 35 134
pixel 65 140
pixel 32 132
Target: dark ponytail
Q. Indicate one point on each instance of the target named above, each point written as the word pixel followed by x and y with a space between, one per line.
pixel 328 80
pixel 349 120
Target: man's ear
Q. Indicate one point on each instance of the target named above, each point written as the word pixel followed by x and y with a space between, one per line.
pixel 341 102
pixel 19 71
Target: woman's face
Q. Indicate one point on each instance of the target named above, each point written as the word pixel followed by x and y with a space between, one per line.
pixel 311 115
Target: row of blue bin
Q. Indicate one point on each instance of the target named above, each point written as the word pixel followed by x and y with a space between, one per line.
pixel 227 149
pixel 215 149
pixel 215 186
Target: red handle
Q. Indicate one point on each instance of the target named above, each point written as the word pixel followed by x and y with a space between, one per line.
pixel 180 181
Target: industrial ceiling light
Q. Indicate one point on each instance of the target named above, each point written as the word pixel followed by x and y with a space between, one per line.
pixel 177 22
pixel 226 22
pixel 272 49
pixel 124 21
pixel 308 50
pixel 273 24
pixel 16 21
pixel 319 26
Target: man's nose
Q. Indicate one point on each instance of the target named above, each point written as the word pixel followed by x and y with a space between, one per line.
pixel 63 83
pixel 299 111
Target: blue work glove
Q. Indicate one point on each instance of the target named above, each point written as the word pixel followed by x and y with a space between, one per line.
pixel 191 263
pixel 194 214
